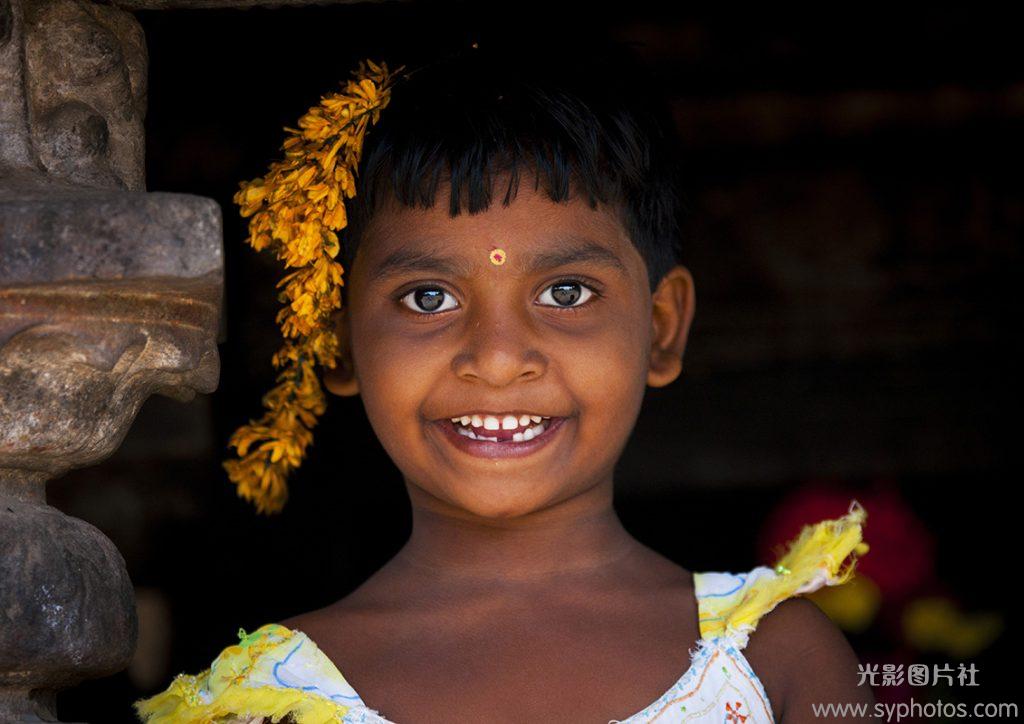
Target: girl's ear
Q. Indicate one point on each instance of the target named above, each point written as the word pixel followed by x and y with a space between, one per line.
pixel 673 305
pixel 342 379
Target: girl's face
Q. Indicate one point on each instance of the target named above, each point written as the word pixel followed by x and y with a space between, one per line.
pixel 565 329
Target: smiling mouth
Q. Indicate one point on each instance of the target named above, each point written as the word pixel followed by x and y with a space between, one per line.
pixel 504 435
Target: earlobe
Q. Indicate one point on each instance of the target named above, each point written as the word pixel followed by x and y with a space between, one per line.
pixel 342 380
pixel 672 307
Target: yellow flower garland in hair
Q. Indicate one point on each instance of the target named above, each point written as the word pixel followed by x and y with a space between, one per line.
pixel 296 208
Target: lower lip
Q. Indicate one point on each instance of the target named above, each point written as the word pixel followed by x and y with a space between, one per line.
pixel 511 449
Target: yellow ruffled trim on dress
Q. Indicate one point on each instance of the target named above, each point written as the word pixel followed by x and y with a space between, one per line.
pixel 244 682
pixel 242 703
pixel 823 554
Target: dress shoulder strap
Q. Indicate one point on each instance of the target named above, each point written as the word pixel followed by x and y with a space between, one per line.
pixel 271 672
pixel 823 554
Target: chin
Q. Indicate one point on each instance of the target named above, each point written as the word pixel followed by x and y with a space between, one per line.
pixel 508 504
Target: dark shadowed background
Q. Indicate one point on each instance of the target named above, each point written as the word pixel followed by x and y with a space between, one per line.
pixel 855 242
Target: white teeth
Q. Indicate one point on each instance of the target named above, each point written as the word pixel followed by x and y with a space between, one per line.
pixel 521 420
pixel 490 422
pixel 504 422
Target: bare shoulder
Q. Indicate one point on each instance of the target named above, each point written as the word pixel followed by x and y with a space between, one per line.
pixel 805 661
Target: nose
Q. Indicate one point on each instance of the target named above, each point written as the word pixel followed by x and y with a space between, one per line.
pixel 500 347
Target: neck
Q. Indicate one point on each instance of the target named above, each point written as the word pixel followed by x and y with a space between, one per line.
pixel 577 536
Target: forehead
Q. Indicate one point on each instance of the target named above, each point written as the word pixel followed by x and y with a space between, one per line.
pixel 534 232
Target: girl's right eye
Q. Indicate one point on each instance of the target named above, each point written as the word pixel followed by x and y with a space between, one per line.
pixel 428 300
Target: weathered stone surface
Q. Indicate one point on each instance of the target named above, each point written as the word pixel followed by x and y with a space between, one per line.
pixel 80 359
pixel 6 22
pixel 71 614
pixel 73 81
pixel 15 141
pixel 53 234
pixel 21 705
pixel 105 299
pixel 88 330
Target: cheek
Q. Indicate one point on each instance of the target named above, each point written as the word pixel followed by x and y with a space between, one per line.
pixel 609 375
pixel 395 377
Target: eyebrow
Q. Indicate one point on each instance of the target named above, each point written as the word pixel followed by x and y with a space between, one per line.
pixel 579 250
pixel 402 261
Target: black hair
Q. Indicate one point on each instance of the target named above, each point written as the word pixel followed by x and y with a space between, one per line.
pixel 581 118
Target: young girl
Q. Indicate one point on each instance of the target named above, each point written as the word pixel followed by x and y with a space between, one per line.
pixel 517 286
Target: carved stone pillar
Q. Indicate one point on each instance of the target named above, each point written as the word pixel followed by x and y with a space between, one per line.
pixel 108 294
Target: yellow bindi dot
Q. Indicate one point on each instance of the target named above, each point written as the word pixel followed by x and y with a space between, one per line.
pixel 497 256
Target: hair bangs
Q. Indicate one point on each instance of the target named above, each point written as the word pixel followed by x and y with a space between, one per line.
pixel 466 124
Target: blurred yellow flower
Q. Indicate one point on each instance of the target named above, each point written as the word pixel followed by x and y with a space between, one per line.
pixel 853 605
pixel 934 623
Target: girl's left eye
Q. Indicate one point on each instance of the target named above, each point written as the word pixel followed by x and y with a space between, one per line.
pixel 566 294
